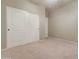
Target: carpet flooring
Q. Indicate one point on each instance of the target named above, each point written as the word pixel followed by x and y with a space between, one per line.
pixel 51 48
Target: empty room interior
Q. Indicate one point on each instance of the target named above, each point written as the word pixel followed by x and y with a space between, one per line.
pixel 39 29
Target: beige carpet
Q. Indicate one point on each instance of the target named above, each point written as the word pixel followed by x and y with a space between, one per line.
pixel 51 48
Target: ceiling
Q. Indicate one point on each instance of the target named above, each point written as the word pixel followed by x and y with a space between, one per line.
pixel 50 3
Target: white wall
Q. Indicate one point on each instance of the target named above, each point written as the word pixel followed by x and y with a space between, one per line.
pixel 63 22
pixel 24 5
pixel 3 24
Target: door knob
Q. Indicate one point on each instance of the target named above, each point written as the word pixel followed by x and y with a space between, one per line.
pixel 8 29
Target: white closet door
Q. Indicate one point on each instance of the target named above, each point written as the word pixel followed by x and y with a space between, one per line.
pixel 22 27
pixel 32 27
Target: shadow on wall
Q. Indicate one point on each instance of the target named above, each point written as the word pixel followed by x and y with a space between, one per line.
pixel 63 22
